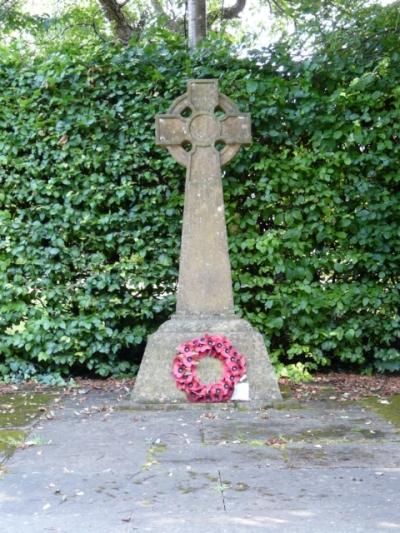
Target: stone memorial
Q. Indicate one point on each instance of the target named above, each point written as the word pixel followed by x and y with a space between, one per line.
pixel 192 131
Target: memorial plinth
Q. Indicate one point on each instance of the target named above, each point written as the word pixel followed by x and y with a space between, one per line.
pixel 204 296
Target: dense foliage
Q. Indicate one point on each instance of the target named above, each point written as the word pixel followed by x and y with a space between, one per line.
pixel 90 208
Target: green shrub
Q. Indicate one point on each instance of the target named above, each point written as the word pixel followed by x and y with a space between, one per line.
pixel 90 208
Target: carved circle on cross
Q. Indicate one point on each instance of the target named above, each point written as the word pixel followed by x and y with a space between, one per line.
pixel 204 129
pixel 227 106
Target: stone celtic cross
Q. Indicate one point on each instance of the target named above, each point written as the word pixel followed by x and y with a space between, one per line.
pixel 199 123
pixel 193 132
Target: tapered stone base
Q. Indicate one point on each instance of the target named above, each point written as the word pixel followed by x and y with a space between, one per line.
pixel 155 384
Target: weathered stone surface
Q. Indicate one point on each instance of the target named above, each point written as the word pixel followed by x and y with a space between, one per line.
pixel 205 284
pixel 204 297
pixel 155 384
pixel 97 468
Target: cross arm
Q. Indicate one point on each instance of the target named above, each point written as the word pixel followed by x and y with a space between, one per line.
pixel 236 128
pixel 203 95
pixel 171 130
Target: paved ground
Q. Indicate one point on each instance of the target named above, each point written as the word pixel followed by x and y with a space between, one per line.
pixel 324 466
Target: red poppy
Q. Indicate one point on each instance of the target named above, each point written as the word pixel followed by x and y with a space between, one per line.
pixel 184 368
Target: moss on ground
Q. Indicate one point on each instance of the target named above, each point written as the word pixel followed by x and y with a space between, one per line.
pixel 19 409
pixel 390 411
pixel 10 439
pixel 152 452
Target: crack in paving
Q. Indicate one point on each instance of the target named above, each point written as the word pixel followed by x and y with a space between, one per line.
pixel 221 489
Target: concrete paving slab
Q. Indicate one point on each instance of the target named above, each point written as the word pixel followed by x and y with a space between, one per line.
pixel 318 467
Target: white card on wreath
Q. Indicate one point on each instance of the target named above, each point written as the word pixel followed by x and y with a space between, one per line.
pixel 241 392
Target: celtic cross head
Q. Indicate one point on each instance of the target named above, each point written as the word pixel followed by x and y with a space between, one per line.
pixel 192 122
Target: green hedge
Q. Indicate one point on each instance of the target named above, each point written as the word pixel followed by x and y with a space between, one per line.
pixel 90 208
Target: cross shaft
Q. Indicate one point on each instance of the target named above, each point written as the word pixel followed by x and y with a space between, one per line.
pixel 205 283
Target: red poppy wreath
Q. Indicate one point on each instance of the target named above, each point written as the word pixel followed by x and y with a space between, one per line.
pixel 187 359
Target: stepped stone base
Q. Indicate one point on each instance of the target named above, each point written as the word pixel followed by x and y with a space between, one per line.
pixel 155 384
